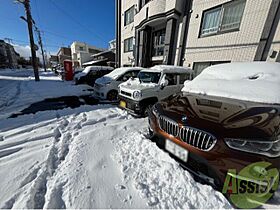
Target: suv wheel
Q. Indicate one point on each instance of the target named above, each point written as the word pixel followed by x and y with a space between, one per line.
pixel 112 95
pixel 147 110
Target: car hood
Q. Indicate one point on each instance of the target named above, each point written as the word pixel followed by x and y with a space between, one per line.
pixel 223 117
pixel 135 84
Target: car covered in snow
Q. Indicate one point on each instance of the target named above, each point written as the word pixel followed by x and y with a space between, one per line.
pixel 152 85
pixel 91 73
pixel 226 118
pixel 106 87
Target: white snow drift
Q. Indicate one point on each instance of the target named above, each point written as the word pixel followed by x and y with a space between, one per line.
pixel 257 81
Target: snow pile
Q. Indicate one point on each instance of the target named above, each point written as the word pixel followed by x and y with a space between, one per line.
pixel 171 68
pixel 92 68
pixel 160 180
pixel 115 74
pixel 135 83
pixel 255 81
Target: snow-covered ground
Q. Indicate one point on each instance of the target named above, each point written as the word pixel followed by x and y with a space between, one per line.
pixel 92 157
pixel 18 89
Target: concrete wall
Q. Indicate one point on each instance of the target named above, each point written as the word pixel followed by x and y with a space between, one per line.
pixel 232 46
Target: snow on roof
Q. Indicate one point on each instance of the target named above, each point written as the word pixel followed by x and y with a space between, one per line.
pixel 254 81
pixel 172 69
pixel 94 62
pixel 97 68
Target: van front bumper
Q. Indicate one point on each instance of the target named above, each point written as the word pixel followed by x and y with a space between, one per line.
pixel 131 106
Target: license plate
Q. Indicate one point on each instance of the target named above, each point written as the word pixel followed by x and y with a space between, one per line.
pixel 123 104
pixel 176 150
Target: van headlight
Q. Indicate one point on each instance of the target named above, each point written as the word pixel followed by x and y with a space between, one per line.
pixel 137 94
pixel 269 149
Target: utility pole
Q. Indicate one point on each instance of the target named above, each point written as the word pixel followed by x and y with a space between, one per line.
pixel 41 46
pixel 30 21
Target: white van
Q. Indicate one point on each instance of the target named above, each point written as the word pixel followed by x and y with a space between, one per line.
pixel 151 86
pixel 106 87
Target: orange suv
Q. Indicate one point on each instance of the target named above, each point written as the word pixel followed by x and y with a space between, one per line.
pixel 210 135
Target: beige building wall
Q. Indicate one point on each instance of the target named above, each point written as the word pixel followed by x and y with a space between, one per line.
pixel 232 46
pixel 127 32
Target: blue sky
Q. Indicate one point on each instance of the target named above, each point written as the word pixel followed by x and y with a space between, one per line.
pixel 62 22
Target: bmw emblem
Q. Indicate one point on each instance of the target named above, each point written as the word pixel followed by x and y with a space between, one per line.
pixel 184 119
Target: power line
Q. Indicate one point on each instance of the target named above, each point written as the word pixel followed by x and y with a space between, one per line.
pixel 57 35
pixel 77 22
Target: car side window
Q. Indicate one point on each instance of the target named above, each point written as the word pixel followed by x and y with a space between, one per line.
pixel 135 74
pixel 92 73
pixel 172 79
pixel 125 77
pixel 184 77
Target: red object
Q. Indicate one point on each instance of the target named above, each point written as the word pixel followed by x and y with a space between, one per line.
pixel 68 70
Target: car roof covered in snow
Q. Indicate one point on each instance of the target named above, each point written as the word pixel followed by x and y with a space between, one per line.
pixel 97 68
pixel 119 71
pixel 249 81
pixel 170 69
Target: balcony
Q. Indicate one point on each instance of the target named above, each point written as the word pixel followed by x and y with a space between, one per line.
pixel 157 8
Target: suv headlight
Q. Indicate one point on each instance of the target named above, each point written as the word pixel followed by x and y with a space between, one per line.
pixel 269 149
pixel 137 94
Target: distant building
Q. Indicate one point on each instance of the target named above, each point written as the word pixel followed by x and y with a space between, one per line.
pixel 8 56
pixel 106 58
pixel 112 45
pixel 82 52
pixel 63 54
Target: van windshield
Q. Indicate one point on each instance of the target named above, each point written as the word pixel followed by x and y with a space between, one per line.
pixel 149 77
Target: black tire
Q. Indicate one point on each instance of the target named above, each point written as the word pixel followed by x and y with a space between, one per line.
pixel 147 110
pixel 112 95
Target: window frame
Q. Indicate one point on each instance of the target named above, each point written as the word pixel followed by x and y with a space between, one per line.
pixel 124 44
pixel 157 46
pixel 126 23
pixel 211 63
pixel 222 9
pixel 142 3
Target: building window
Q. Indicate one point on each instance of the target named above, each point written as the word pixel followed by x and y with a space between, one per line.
pixel 129 16
pixel 200 66
pixel 226 17
pixel 128 45
pixel 81 48
pixel 142 3
pixel 158 42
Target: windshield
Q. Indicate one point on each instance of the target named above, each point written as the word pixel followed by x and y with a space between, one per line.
pixel 149 77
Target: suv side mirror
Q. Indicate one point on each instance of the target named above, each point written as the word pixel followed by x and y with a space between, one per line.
pixel 163 83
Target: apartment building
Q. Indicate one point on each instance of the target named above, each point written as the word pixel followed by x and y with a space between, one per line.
pixel 64 53
pixel 196 33
pixel 8 56
pixel 82 53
